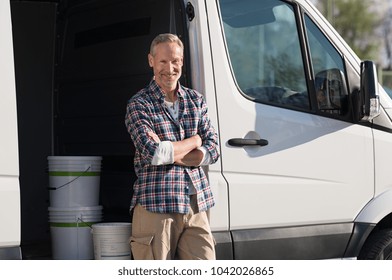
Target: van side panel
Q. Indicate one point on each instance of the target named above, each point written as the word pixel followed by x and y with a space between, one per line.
pixel 291 243
pixel 9 182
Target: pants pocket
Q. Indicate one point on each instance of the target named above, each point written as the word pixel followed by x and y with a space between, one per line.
pixel 141 247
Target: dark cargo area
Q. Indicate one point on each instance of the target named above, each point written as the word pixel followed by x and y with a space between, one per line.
pixel 77 63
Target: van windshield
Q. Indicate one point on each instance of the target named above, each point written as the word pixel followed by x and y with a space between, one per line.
pixel 264 50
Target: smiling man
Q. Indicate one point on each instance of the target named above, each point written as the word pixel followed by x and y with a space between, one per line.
pixel 173 137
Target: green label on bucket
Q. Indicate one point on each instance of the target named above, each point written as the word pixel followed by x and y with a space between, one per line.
pixel 81 224
pixel 73 173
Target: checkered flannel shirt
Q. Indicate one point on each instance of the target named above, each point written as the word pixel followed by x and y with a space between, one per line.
pixel 165 188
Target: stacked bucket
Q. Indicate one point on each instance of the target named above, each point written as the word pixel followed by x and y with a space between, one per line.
pixel 74 183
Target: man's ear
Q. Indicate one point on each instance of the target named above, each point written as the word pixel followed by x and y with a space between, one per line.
pixel 150 60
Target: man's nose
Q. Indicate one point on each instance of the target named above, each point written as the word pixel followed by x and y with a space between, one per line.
pixel 170 67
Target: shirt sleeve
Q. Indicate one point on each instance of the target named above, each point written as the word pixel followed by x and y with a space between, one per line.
pixel 208 134
pixel 164 154
pixel 138 122
pixel 206 156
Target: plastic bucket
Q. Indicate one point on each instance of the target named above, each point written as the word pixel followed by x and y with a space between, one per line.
pixel 75 212
pixel 74 180
pixel 111 241
pixel 70 230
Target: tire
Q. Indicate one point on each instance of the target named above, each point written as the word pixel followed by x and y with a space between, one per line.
pixel 378 246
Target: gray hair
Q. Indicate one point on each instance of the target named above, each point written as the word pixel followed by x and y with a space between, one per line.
pixel 165 38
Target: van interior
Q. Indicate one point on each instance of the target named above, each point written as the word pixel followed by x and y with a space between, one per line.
pixel 77 62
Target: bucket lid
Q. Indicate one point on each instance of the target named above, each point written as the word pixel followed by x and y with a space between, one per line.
pixel 75 209
pixel 75 219
pixel 112 228
pixel 113 224
pixel 78 158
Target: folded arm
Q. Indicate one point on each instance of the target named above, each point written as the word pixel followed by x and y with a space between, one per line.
pixel 187 152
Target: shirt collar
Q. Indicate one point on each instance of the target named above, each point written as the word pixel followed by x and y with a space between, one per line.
pixel 158 92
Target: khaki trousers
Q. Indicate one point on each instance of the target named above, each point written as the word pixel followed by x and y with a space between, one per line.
pixel 157 236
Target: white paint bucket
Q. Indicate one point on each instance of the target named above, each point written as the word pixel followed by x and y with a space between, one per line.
pixel 74 180
pixel 111 241
pixel 70 230
pixel 75 213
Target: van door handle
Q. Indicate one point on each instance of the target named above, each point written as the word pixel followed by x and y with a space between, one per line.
pixel 241 142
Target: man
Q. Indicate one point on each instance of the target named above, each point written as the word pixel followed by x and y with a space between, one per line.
pixel 173 137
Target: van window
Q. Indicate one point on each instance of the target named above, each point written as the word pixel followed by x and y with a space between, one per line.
pixel 265 53
pixel 329 72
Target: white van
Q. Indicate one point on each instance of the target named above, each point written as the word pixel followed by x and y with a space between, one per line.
pixel 305 129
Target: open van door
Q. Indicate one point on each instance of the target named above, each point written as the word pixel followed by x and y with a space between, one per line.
pixel 9 168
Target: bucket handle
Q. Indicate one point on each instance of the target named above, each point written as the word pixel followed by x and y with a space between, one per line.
pixel 83 222
pixel 56 188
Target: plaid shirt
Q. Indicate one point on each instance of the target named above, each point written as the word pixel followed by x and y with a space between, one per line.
pixel 165 188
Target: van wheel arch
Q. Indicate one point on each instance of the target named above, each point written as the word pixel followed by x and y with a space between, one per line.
pixel 378 246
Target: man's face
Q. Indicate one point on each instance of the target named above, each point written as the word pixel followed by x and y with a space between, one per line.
pixel 166 62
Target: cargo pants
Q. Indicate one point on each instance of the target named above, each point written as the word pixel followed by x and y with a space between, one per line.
pixel 157 236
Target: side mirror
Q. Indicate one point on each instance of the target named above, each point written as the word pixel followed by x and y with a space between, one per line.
pixel 370 101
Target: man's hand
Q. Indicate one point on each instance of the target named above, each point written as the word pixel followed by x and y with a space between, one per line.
pixel 153 136
pixel 198 141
